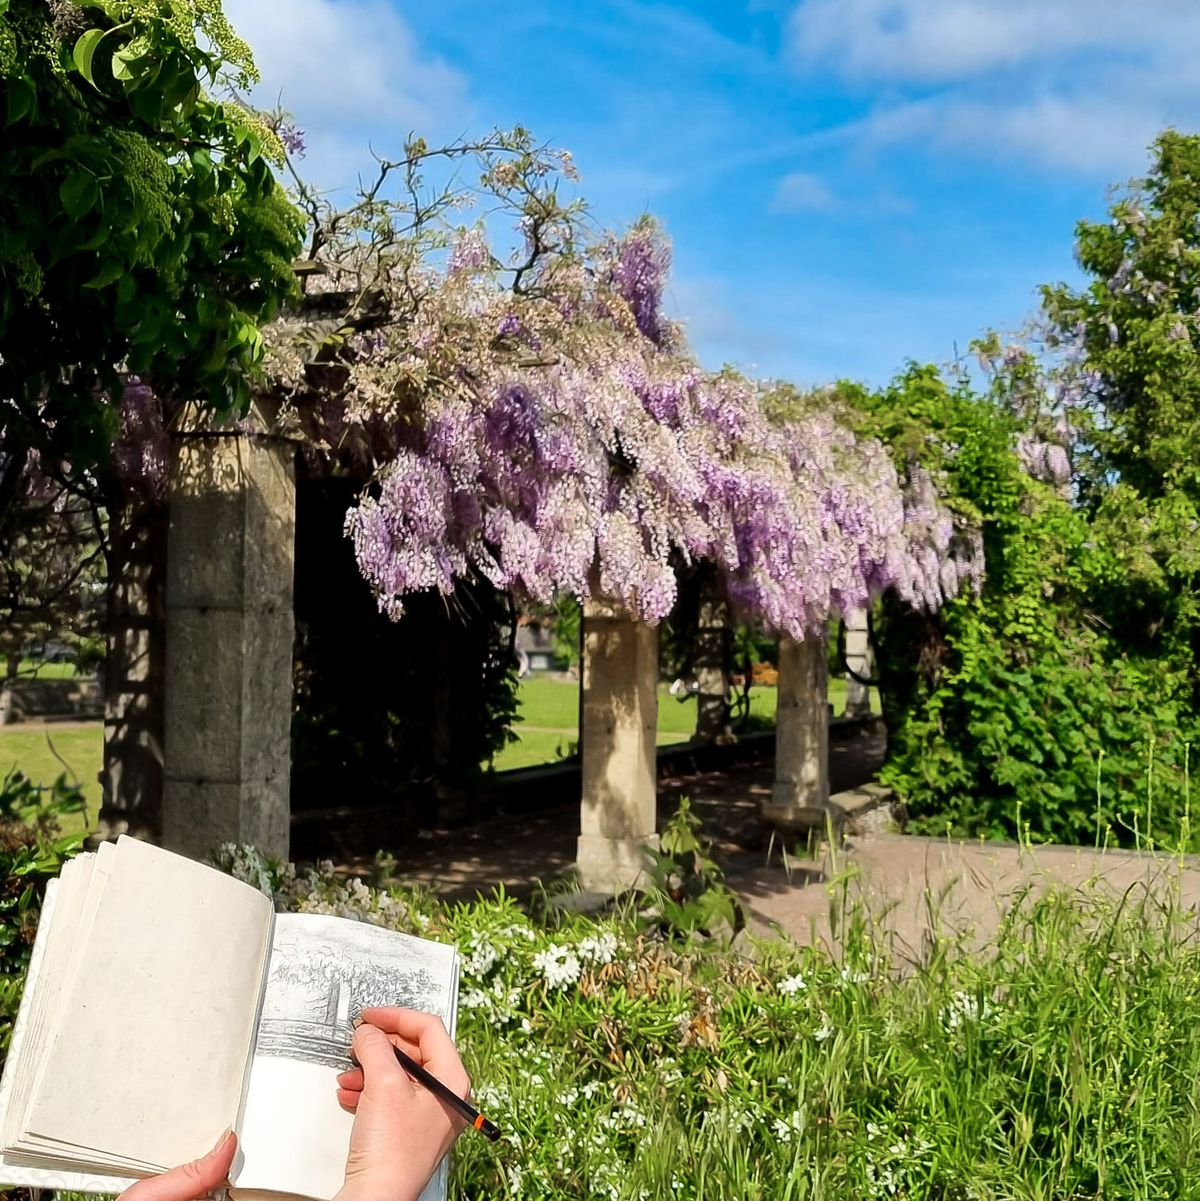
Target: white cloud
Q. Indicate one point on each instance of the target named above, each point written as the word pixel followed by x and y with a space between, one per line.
pixel 802 192
pixel 351 73
pixel 1073 86
pixel 1096 135
pixel 939 40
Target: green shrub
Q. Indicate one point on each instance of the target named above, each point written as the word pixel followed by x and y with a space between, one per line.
pixel 1058 1062
pixel 32 851
pixel 1028 709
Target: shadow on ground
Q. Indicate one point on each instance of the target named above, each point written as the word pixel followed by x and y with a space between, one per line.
pixel 516 850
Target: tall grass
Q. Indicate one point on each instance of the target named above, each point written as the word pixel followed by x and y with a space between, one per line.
pixel 1061 1061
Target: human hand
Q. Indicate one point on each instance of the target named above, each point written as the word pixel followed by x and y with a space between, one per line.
pixel 401 1130
pixel 192 1180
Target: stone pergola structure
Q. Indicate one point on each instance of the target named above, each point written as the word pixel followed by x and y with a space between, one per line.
pixel 229 636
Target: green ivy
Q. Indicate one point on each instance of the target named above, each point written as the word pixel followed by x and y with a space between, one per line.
pixel 1027 711
pixel 141 228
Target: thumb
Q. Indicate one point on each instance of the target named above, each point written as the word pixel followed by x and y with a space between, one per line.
pixel 374 1052
pixel 190 1181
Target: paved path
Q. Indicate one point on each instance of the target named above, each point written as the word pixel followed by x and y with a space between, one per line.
pixel 913 887
pixel 917 889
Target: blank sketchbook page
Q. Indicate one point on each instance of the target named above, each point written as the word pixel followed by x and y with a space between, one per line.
pixel 155 1034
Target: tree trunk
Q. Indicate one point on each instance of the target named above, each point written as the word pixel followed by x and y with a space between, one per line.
pixel 12 665
pixel 134 670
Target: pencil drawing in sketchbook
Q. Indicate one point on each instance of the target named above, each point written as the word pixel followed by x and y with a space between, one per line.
pixel 316 991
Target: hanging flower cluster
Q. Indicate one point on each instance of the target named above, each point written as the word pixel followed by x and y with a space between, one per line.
pixel 555 435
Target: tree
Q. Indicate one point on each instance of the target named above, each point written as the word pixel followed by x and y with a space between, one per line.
pixel 1062 702
pixel 1131 383
pixel 142 229
pixel 143 239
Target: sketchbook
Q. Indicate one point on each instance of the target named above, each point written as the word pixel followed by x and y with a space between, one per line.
pixel 167 1002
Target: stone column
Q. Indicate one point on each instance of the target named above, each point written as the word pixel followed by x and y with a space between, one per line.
pixel 229 642
pixel 859 664
pixel 800 796
pixel 712 668
pixel 619 711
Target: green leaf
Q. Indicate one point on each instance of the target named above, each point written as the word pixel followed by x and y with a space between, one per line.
pixel 21 98
pixel 127 288
pixel 132 61
pixel 85 51
pixel 79 194
pixel 121 68
pixel 250 139
pixel 111 271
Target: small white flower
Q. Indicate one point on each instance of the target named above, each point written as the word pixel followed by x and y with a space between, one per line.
pixel 793 984
pixel 826 1031
pixel 481 957
pixel 559 966
pixel 600 949
pixel 965 1007
pixel 491 1097
pixel 787 1128
pixel 852 977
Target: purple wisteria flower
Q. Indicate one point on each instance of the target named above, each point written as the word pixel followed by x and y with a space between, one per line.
pixel 292 137
pixel 142 449
pixel 614 456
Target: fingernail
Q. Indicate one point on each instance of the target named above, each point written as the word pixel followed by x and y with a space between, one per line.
pixel 222 1141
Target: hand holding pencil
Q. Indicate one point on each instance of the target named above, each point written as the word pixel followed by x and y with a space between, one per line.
pixel 401 1128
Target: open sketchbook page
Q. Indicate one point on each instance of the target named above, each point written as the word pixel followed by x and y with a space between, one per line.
pixel 11 1172
pixel 324 971
pixel 152 1043
pixel 56 934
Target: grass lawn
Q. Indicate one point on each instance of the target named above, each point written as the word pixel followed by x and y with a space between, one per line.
pixel 554 705
pixel 44 753
pixel 547 730
pixel 548 719
pixel 42 670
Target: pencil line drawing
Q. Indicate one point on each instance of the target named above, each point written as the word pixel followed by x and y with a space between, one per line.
pixel 318 985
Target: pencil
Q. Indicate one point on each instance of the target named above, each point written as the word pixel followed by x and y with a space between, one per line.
pixel 475 1119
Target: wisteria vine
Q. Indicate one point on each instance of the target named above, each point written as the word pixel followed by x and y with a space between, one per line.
pixel 536 418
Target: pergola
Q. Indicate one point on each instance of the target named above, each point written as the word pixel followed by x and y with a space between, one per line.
pixel 229 634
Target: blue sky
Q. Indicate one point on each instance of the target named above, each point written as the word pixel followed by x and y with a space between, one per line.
pixel 847 183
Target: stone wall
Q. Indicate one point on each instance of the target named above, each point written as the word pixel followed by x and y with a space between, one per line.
pixel 76 699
